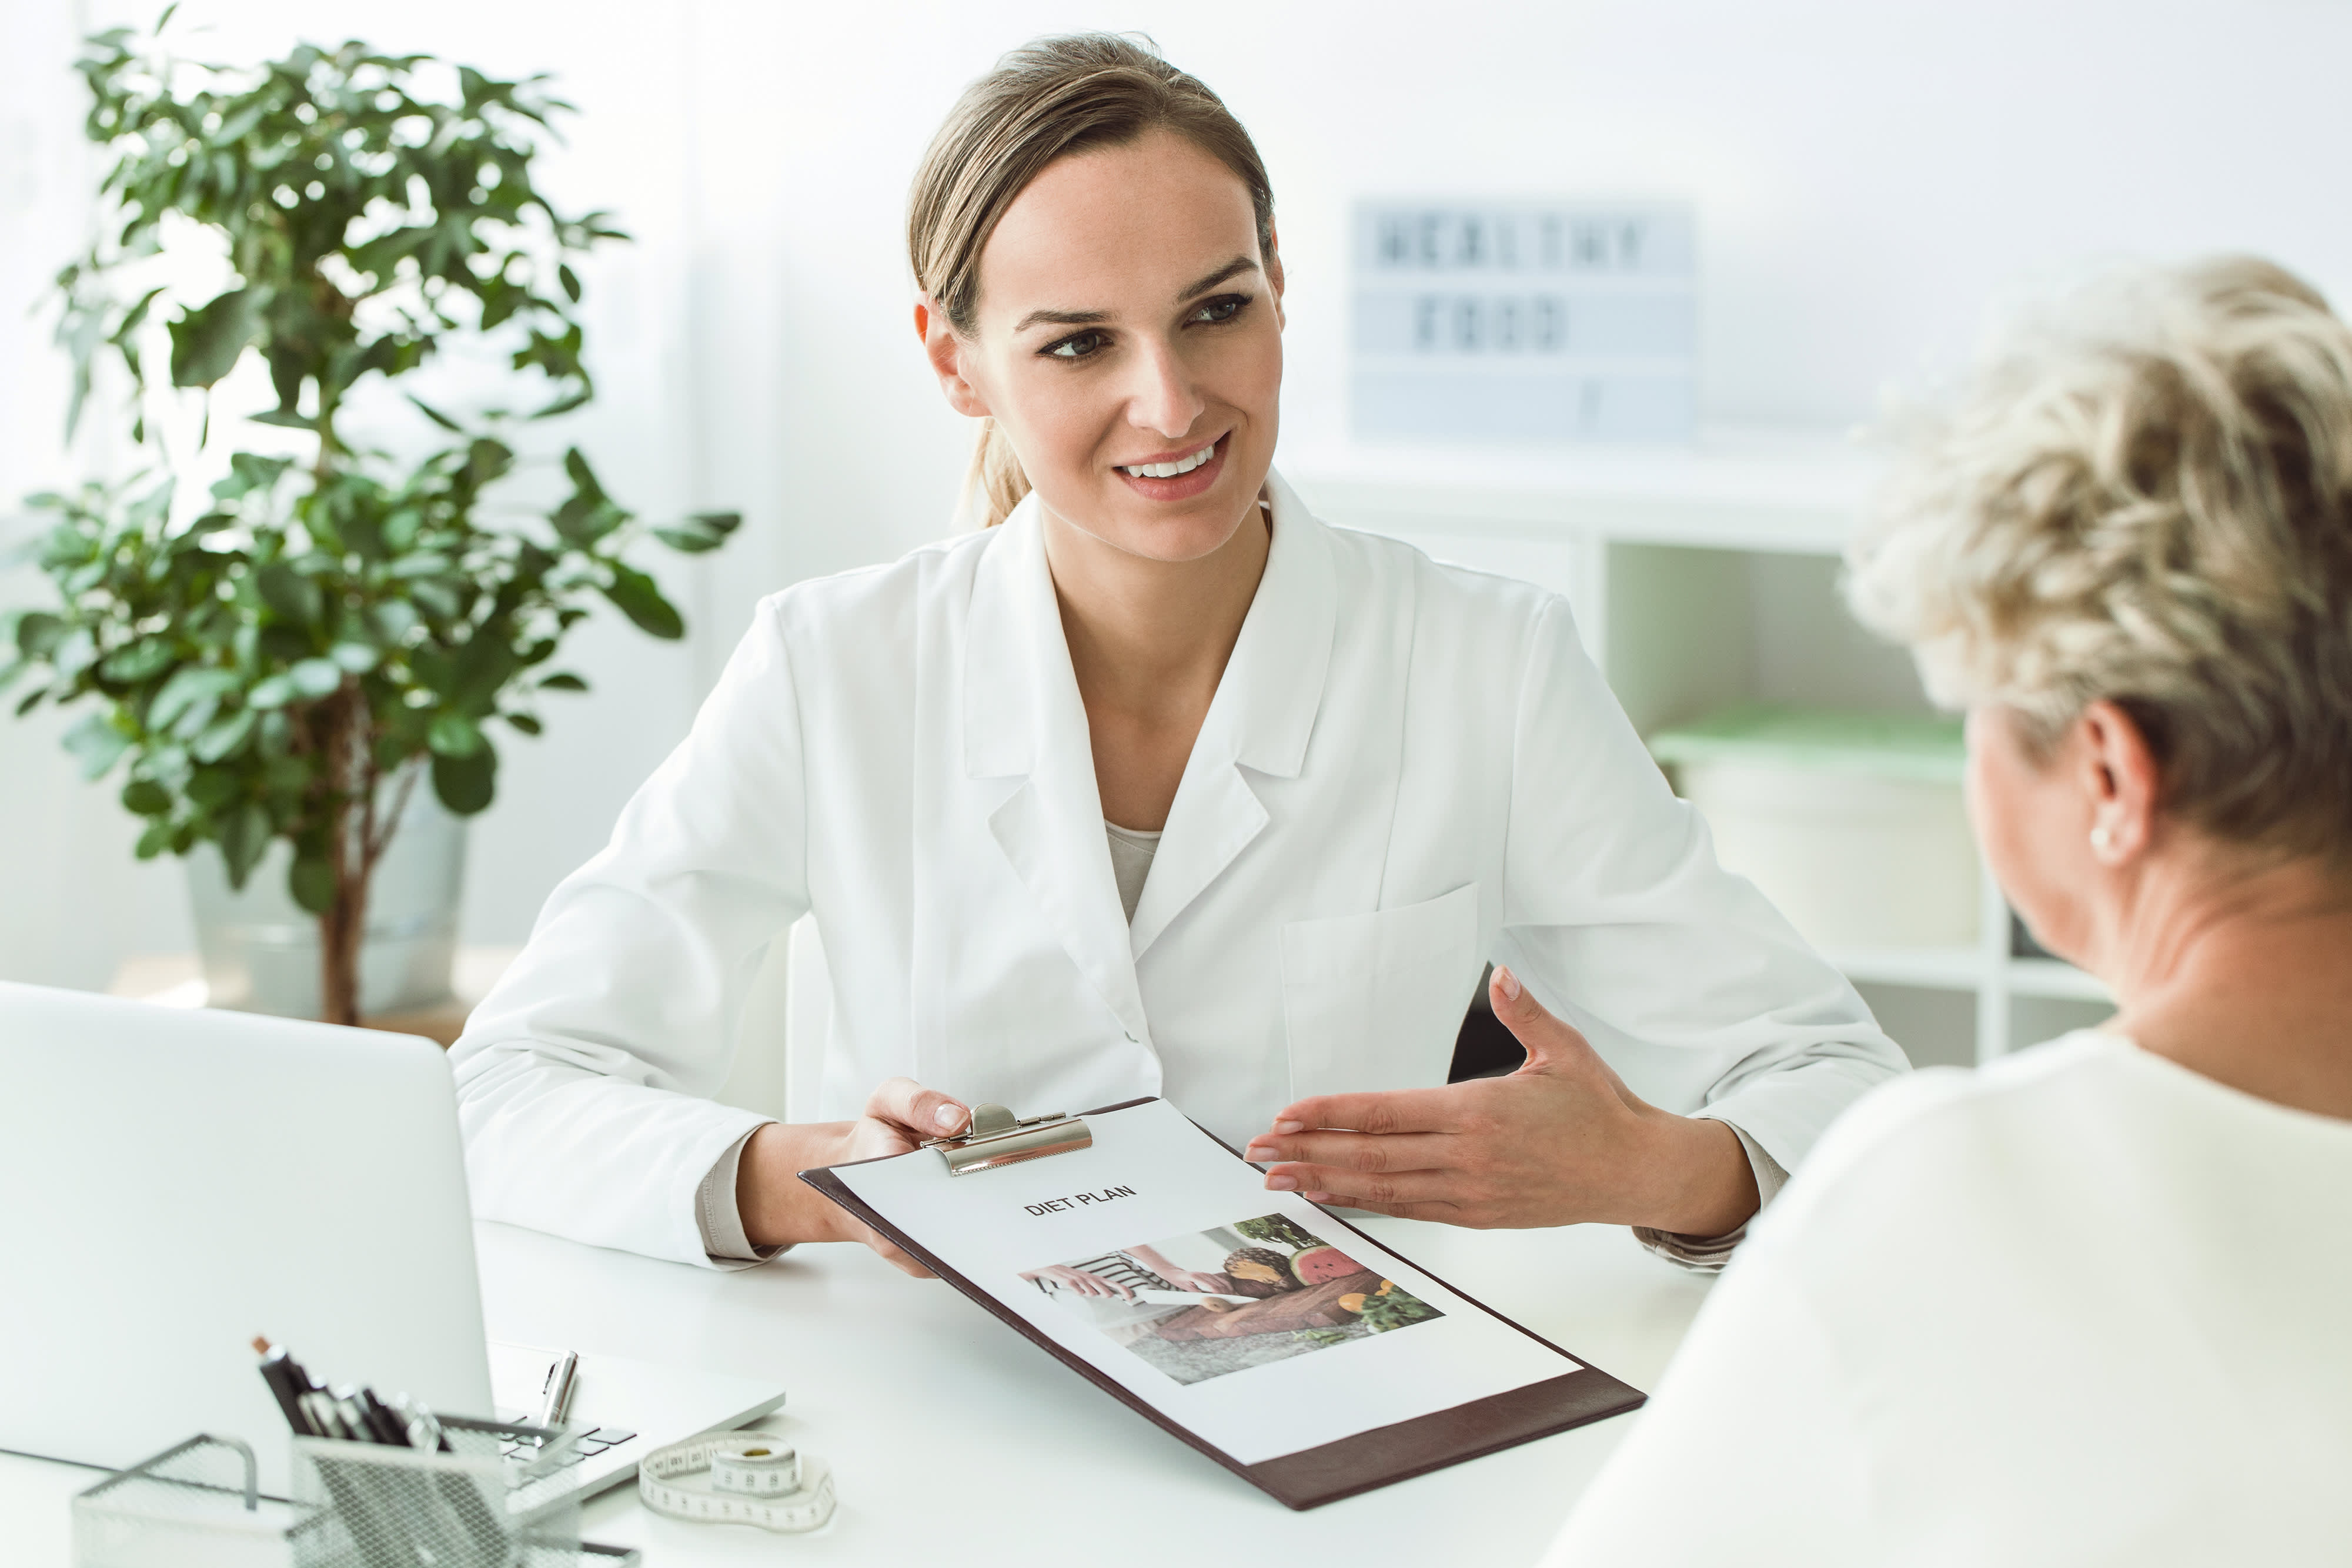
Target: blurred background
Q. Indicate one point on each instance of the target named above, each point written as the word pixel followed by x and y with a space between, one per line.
pixel 1864 183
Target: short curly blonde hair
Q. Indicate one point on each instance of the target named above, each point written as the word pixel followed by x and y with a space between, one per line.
pixel 2148 500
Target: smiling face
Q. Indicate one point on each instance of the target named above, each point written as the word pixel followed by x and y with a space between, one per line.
pixel 1129 342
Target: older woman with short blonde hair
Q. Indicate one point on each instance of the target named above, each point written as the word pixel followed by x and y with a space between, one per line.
pixel 2091 1303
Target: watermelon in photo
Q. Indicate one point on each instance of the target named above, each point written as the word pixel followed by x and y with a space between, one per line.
pixel 1319 1265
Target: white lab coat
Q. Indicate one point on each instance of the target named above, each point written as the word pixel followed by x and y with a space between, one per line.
pixel 1408 771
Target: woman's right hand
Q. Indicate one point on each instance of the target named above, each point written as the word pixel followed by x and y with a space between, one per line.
pixel 777 1207
pixel 1082 1282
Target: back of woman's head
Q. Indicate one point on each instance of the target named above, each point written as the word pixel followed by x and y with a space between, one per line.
pixel 2148 500
pixel 1046 101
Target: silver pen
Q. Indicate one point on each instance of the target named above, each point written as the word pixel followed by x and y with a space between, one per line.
pixel 561 1378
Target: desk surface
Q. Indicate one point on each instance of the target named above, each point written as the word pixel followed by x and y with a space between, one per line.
pixel 1033 1459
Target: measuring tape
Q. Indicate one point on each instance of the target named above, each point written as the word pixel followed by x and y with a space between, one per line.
pixel 740 1477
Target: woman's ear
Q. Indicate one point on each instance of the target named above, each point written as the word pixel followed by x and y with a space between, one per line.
pixel 946 351
pixel 1273 271
pixel 2123 780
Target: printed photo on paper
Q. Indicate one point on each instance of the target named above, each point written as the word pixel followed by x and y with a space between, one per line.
pixel 1209 1303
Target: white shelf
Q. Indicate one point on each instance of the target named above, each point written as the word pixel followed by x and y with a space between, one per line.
pixel 1937 969
pixel 1796 492
pixel 1679 631
pixel 2055 978
pixel 1966 969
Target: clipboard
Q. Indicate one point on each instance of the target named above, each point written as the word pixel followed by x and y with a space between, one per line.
pixel 1308 1476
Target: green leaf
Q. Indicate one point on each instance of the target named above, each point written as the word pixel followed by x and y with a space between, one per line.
pixel 455 734
pixel 484 664
pixel 400 530
pixel 75 653
pixel 222 737
pixel 311 881
pixel 155 840
pixel 138 661
pixel 315 678
pixel 467 784
pixel 284 419
pixel 189 687
pixel 437 597
pixel 248 472
pixel 583 478
pixel 38 633
pixel 356 657
pixel 207 341
pixel 294 598
pixel 563 404
pixel 702 531
pixel 145 798
pixel 277 691
pixel 487 460
pixel 96 743
pixel 209 789
pixel 563 680
pixel 570 281
pixel 523 722
pixel 393 619
pixel 436 416
pixel 634 593
pixel 583 523
pixel 253 471
pixel 244 838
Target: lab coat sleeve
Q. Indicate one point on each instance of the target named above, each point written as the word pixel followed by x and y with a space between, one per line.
pixel 583 1078
pixel 1682 975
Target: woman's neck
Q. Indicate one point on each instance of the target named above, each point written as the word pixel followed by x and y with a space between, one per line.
pixel 1149 641
pixel 2245 979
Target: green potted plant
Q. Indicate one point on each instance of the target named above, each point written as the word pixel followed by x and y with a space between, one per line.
pixel 290 655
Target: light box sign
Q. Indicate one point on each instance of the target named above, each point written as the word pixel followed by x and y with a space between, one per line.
pixel 1576 321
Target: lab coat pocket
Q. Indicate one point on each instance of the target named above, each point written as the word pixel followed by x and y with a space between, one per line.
pixel 1374 1001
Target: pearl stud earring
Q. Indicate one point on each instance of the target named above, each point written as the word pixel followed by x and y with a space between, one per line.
pixel 2102 840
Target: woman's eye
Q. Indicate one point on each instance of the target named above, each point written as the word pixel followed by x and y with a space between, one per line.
pixel 1224 308
pixel 1076 346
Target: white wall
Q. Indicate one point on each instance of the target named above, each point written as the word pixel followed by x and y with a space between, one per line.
pixel 1868 175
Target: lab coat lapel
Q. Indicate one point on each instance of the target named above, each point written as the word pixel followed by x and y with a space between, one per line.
pixel 1025 727
pixel 1260 719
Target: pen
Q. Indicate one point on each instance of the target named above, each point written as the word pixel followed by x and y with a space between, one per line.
pixel 326 1421
pixel 354 1414
pixel 561 1380
pixel 287 1384
pixel 382 1423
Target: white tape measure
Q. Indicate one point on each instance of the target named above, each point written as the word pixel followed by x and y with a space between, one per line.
pixel 739 1477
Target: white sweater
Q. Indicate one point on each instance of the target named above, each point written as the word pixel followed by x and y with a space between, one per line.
pixel 2083 1306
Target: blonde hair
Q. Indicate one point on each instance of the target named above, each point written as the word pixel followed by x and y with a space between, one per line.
pixel 2149 500
pixel 1046 101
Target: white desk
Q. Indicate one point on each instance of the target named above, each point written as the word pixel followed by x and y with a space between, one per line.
pixel 952 1437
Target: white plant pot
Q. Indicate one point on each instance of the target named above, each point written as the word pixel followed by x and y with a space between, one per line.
pixel 260 948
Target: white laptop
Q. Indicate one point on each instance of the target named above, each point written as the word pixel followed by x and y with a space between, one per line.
pixel 174 1182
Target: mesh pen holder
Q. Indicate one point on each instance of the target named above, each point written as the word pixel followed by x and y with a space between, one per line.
pixel 505 1496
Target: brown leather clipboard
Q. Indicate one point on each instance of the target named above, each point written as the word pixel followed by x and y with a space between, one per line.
pixel 1361 1463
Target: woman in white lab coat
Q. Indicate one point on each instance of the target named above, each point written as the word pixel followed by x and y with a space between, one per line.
pixel 1158 786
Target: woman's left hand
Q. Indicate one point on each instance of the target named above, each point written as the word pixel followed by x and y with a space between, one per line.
pixel 1559 1141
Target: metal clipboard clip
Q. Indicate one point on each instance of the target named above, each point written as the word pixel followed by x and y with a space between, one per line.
pixel 997 1137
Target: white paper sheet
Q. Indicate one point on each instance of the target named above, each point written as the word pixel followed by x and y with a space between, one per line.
pixel 1155 1183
